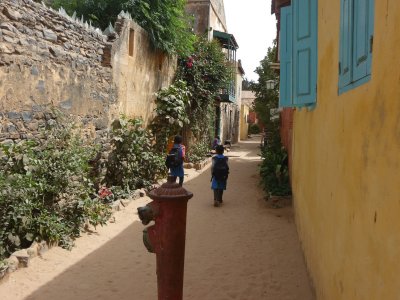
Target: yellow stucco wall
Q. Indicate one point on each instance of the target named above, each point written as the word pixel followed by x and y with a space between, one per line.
pixel 140 75
pixel 346 167
pixel 244 126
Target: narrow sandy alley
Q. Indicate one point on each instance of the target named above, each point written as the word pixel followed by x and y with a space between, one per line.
pixel 242 250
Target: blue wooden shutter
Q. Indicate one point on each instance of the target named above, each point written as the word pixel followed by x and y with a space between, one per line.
pixel 362 38
pixel 286 51
pixel 305 31
pixel 346 33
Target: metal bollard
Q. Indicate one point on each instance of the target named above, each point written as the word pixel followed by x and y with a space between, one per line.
pixel 166 238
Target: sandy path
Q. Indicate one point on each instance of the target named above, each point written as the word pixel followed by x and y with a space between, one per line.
pixel 242 250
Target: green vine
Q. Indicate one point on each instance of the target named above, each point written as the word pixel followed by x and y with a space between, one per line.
pixel 165 20
pixel 171 112
pixel 206 72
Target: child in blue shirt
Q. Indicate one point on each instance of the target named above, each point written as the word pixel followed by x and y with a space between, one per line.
pixel 219 172
pixel 178 170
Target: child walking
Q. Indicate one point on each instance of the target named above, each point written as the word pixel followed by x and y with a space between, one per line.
pixel 175 158
pixel 219 173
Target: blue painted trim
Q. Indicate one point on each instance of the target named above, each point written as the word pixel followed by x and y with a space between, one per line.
pixel 354 84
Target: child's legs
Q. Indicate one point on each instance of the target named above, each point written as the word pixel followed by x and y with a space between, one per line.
pixel 216 195
pixel 220 192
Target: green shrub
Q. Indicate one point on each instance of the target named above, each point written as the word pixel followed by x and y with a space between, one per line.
pixel 274 167
pixel 197 152
pixel 133 163
pixel 254 129
pixel 171 113
pixel 165 21
pixel 46 193
pixel 206 73
pixel 274 172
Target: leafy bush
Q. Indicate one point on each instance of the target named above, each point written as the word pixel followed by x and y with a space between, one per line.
pixel 274 167
pixel 165 21
pixel 133 163
pixel 206 73
pixel 254 129
pixel 46 193
pixel 171 114
pixel 197 152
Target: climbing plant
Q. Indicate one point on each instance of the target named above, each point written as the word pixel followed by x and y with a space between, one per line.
pixel 164 20
pixel 206 72
pixel 171 112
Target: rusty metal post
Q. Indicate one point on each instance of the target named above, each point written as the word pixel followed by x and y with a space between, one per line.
pixel 166 237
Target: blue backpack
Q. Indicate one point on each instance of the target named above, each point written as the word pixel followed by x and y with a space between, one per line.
pixel 173 159
pixel 220 169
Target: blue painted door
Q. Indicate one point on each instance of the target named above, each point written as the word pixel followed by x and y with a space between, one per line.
pixel 362 38
pixel 305 31
pixel 286 52
pixel 346 36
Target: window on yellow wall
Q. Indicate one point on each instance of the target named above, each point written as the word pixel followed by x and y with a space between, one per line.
pixel 131 41
pixel 299 54
pixel 160 60
pixel 356 41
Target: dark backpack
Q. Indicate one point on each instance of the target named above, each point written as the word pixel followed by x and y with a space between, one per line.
pixel 173 158
pixel 220 169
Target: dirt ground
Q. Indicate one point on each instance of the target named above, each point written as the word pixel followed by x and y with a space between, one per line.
pixel 243 250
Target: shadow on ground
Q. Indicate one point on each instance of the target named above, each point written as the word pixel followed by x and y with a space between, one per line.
pixel 242 250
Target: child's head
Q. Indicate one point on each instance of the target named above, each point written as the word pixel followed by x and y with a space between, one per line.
pixel 219 149
pixel 177 139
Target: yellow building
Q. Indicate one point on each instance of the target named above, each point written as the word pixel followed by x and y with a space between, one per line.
pixel 244 125
pixel 247 100
pixel 344 86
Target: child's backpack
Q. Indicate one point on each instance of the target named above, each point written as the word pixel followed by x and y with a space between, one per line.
pixel 173 158
pixel 221 169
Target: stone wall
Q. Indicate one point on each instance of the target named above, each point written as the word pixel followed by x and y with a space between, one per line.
pixel 49 60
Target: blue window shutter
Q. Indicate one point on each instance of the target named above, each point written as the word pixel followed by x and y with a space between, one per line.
pixel 362 35
pixel 305 59
pixel 285 88
pixel 346 32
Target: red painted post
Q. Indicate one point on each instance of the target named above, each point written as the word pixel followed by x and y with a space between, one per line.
pixel 166 237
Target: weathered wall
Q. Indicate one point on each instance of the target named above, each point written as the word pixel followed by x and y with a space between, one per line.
pixel 217 16
pixel 141 73
pixel 244 126
pixel 207 13
pixel 200 11
pixel 229 117
pixel 238 85
pixel 48 60
pixel 346 167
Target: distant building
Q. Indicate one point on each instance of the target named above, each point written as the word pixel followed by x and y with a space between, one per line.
pixel 209 18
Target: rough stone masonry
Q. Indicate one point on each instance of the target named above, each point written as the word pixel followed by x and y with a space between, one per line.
pixel 47 61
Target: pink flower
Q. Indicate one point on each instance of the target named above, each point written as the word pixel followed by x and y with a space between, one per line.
pixel 104 192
